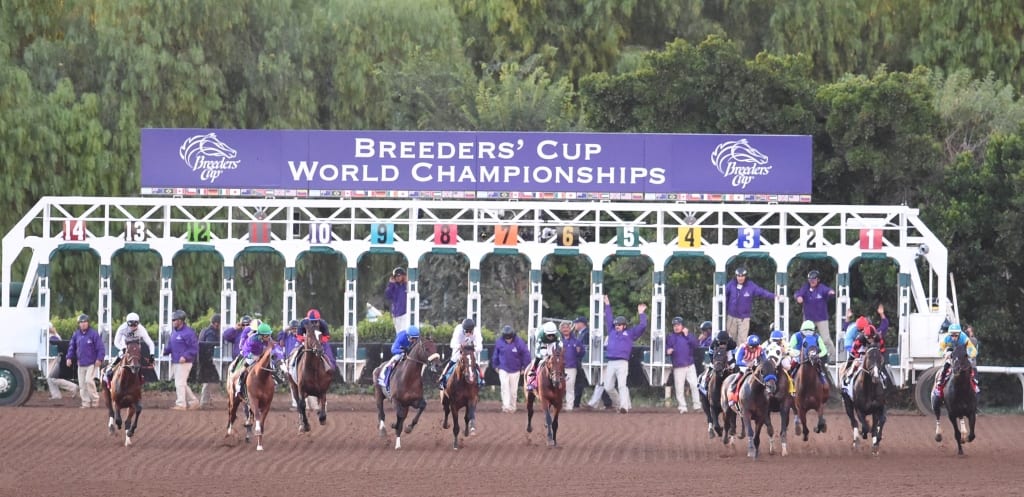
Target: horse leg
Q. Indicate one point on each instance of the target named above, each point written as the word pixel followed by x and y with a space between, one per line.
pixel 970 422
pixel 322 413
pixel 551 418
pixel 110 411
pixel 128 425
pixel 380 412
pixel 247 412
pixel 401 411
pixel 956 434
pixel 447 405
pixel 756 436
pixel 803 422
pixel 937 409
pixel 705 406
pixel 260 416
pixel 455 428
pixel 748 430
pixel 300 407
pixel 529 411
pixel 421 405
pixel 822 427
pixel 879 424
pixel 133 422
pixel 232 412
pixel 471 419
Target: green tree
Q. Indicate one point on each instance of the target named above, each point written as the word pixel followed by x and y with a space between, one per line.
pixel 972 110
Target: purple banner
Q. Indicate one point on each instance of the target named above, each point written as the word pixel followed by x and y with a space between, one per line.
pixel 622 166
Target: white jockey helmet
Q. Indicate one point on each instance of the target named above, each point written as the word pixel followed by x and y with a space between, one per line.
pixel 131 317
pixel 549 328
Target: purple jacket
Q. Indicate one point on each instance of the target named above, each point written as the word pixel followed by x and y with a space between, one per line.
pixel 255 347
pixel 396 294
pixel 182 343
pixel 286 339
pixel 574 350
pixel 233 335
pixel 815 301
pixel 511 356
pixel 86 347
pixel 683 348
pixel 620 345
pixel 740 302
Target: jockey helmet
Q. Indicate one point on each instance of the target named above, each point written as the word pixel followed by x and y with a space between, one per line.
pixel 412 332
pixel 215 319
pixel 863 323
pixel 399 271
pixel 808 325
pixel 246 319
pixel 955 329
pixel 753 341
pixel 84 318
pixel 549 328
pixel 178 314
pixel 813 275
pixel 677 320
pixel 723 336
pixel 741 271
pixel 778 335
pixel 620 320
pixel 132 318
pixel 293 323
pixel 871 332
pixel 264 329
pixel 468 325
pixel 706 325
pixel 507 331
pixel 313 315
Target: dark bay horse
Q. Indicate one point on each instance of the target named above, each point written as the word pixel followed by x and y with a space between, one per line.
pixel 811 394
pixel 752 404
pixel 406 387
pixel 462 392
pixel 960 399
pixel 312 377
pixel 781 402
pixel 125 392
pixel 257 398
pixel 868 398
pixel 551 391
pixel 711 400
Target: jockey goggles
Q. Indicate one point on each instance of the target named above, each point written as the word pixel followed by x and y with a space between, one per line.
pixel 133 323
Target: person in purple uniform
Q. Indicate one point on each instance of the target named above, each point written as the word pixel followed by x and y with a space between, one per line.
pixel 815 296
pixel 511 356
pixel 287 338
pixel 253 348
pixel 618 349
pixel 397 294
pixel 87 348
pixel 233 335
pixel 574 352
pixel 739 303
pixel 183 347
pixel 681 346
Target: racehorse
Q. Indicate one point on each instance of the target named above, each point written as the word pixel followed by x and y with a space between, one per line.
pixel 868 398
pixel 312 377
pixel 551 390
pixel 406 387
pixel 462 392
pixel 781 402
pixel 711 400
pixel 811 394
pixel 125 392
pixel 257 398
pixel 752 404
pixel 960 399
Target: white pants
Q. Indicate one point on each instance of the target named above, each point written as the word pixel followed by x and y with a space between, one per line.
pixel 401 322
pixel 509 390
pixel 185 395
pixel 738 329
pixel 570 388
pixel 680 376
pixel 615 373
pixel 86 385
pixel 826 338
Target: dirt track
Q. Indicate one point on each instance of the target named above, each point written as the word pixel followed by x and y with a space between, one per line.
pixel 58 449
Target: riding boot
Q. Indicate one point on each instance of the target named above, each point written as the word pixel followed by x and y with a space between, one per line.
pixel 241 383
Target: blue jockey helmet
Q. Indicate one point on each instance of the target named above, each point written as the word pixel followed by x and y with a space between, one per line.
pixel 955 328
pixel 753 341
pixel 778 335
pixel 412 332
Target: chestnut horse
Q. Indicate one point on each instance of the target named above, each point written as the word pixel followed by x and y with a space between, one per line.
pixel 551 390
pixel 868 398
pixel 312 376
pixel 462 392
pixel 257 399
pixel 125 392
pixel 406 387
pixel 960 399
pixel 811 394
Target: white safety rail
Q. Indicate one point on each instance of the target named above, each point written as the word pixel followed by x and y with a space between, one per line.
pixel 476 229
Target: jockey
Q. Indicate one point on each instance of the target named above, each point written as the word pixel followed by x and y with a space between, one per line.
pixel 462 336
pixel 808 336
pixel 777 348
pixel 867 338
pixel 313 317
pixel 129 331
pixel 547 339
pixel 404 342
pixel 722 340
pixel 747 359
pixel 946 345
pixel 252 349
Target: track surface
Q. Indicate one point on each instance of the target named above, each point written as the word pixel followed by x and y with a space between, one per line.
pixel 58 449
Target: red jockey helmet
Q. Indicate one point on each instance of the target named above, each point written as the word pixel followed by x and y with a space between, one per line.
pixel 871 333
pixel 313 315
pixel 863 323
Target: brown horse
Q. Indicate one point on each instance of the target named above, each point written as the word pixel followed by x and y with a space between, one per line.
pixel 811 393
pixel 127 393
pixel 406 386
pixel 462 392
pixel 868 398
pixel 752 404
pixel 960 400
pixel 551 390
pixel 312 377
pixel 257 398
pixel 781 402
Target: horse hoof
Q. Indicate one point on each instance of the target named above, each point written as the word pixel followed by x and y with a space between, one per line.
pixel 323 421
pixel 408 429
pixel 970 438
pixel 529 429
pixel 445 426
pixel 259 448
pixel 938 437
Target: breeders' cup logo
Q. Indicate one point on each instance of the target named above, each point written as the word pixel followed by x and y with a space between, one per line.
pixel 740 161
pixel 208 155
